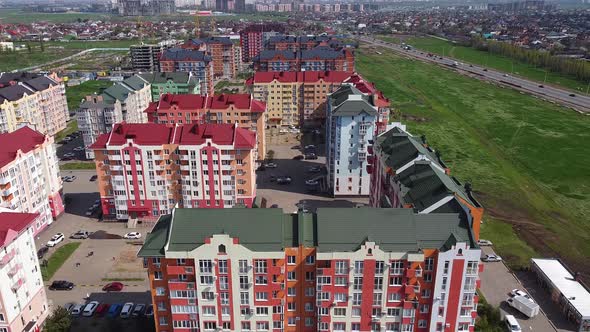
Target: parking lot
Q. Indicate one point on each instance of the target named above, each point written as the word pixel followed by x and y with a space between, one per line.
pixel 113 259
pixel 288 196
pixel 68 147
pixel 497 282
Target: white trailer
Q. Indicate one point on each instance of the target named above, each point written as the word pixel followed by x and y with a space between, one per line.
pixel 524 305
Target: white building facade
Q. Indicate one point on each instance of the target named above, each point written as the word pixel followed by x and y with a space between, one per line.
pixel 351 123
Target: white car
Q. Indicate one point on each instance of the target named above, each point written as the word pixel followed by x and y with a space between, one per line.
pixel 518 292
pixel 311 182
pixel 57 238
pixel 512 324
pixel 90 309
pixel 483 242
pixel 270 165
pixel 491 258
pixel 77 310
pixel 133 235
pixel 127 309
pixel 79 148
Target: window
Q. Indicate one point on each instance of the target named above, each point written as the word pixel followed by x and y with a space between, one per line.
pixel 422 323
pixel 260 266
pixel 357 283
pixel 379 267
pixel 244 282
pixel 244 298
pixel 210 325
pixel 397 267
pixel 376 312
pixel 261 296
pixel 359 267
pixel 324 280
pixel 356 298
pixel 163 320
pixel 243 265
pixel 340 281
pixel 309 275
pixel 356 312
pixel 378 285
pixel 308 321
pixel 392 327
pixel 395 281
pixel 161 306
pixel 323 326
pixel 224 297
pixel 261 280
pixel 309 291
pixel 309 260
pixel 341 267
pixel 223 282
pixel 394 297
pixel 377 298
pixel 340 297
pixel 472 267
pixel 393 312
pixel 355 327
pixel 291 260
pixel 323 311
pixel 208 296
pixel 424 308
pixel 291 275
pixel 446 267
pixel 206 280
pixel 428 277
pixel 157 275
pixel 205 266
pixel 209 311
pixel 222 266
pixel 261 311
pixel 339 326
pixel 291 291
pixel 159 292
pixel 426 293
pixel 291 306
pixel 339 312
pixel 308 306
pixel 429 264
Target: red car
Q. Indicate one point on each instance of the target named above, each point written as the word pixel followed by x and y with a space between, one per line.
pixel 113 287
pixel 102 309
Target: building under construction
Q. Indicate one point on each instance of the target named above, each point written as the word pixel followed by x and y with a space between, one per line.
pixel 145 7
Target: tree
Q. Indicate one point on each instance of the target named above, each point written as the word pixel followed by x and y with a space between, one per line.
pixel 58 321
pixel 270 154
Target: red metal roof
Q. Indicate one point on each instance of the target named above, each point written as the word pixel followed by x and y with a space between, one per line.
pixel 24 139
pixel 12 223
pixel 188 134
pixel 303 77
pixel 183 102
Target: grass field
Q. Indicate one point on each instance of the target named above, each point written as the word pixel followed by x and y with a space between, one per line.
pixel 527 159
pixel 76 93
pixel 58 258
pixel 77 165
pixel 471 55
pixel 71 127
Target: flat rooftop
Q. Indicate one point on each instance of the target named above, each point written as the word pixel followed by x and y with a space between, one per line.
pixel 563 280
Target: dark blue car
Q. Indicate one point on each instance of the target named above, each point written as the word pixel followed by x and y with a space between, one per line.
pixel 114 310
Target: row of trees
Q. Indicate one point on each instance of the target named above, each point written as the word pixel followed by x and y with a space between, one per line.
pixel 580 69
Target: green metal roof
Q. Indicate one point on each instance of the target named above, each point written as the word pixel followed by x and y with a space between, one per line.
pixel 343 105
pixel 329 229
pixel 399 148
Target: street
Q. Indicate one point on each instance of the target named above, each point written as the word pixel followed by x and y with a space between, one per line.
pixel 577 101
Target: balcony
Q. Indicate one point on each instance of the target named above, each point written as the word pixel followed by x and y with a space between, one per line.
pixel 8 257
pixel 14 270
pixel 17 284
pixel 8 191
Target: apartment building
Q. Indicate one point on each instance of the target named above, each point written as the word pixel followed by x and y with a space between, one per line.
pixel 321 58
pixel 176 83
pixel 35 100
pixel 240 109
pixel 299 43
pixel 407 173
pixel 183 60
pixel 22 293
pixel 295 98
pixel 146 57
pixel 29 176
pixel 221 50
pixel 124 101
pixel 351 123
pixel 144 170
pixel 253 38
pixel 263 270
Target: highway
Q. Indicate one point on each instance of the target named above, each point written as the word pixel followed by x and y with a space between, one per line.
pixel 572 99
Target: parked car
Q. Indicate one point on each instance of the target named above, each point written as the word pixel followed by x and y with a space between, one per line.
pixel 79 148
pixel 512 324
pixel 311 182
pixel 90 211
pixel 77 310
pixel 80 235
pixel 42 251
pixel 69 155
pixel 149 312
pixel 270 165
pixel 518 292
pixel 138 311
pixel 483 242
pixel 114 310
pixel 102 309
pixel 93 178
pixel 311 156
pixel 67 138
pixel 298 157
pixel 491 258
pixel 283 180
pixel 90 308
pixel 314 169
pixel 113 287
pixel 127 309
pixel 69 306
pixel 572 94
pixel 133 235
pixel 61 285
pixel 311 146
pixel 57 238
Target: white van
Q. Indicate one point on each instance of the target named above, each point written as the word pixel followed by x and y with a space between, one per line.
pixel 90 309
pixel 512 324
pixel 77 310
pixel 127 309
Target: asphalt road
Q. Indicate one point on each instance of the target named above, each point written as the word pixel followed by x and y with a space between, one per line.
pixel 568 98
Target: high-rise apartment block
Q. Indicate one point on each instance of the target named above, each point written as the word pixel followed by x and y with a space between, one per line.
pixel 146 57
pixel 339 269
pixel 29 176
pixel 253 38
pixel 22 293
pixel 144 170
pixel 240 109
pixel 124 101
pixel 321 58
pixel 35 100
pixel 294 98
pixel 300 43
pixel 351 124
pixel 185 60
pixel 407 173
pixel 221 50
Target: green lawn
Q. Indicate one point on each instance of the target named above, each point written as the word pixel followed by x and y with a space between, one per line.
pixel 18 16
pixel 57 259
pixel 527 159
pixel 76 93
pixel 78 165
pixel 71 127
pixel 471 55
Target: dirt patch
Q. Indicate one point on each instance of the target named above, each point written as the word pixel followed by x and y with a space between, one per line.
pixel 102 235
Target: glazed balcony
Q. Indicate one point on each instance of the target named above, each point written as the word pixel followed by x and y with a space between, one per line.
pixel 7 257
